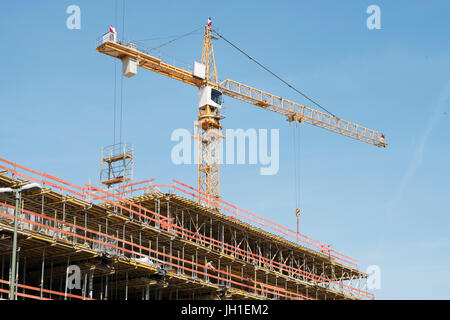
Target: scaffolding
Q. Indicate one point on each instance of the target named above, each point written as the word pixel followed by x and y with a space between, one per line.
pixel 116 164
pixel 157 242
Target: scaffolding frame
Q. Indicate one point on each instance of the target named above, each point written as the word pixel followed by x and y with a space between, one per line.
pixel 117 164
pixel 113 237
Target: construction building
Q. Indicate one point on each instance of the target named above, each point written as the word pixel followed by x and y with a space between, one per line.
pixel 157 242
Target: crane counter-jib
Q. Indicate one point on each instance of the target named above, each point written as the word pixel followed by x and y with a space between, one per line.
pixel 144 60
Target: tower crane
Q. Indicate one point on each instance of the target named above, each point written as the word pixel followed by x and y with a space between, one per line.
pixel 208 128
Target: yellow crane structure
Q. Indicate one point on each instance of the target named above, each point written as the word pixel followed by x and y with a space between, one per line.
pixel 208 127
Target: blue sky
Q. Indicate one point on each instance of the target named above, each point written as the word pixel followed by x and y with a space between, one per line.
pixel 386 207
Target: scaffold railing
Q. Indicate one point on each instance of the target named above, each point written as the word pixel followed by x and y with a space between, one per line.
pixel 64 229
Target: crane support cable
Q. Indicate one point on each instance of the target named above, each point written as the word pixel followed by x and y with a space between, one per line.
pixel 170 37
pixel 177 38
pixel 274 74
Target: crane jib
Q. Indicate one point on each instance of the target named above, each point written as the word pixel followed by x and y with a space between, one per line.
pixel 297 112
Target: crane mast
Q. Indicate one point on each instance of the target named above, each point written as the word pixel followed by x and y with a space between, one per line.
pixel 208 129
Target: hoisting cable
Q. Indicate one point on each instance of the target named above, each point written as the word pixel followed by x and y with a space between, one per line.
pixel 274 74
pixel 297 177
pixel 298 165
pixel 295 166
pixel 121 78
pixel 115 78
